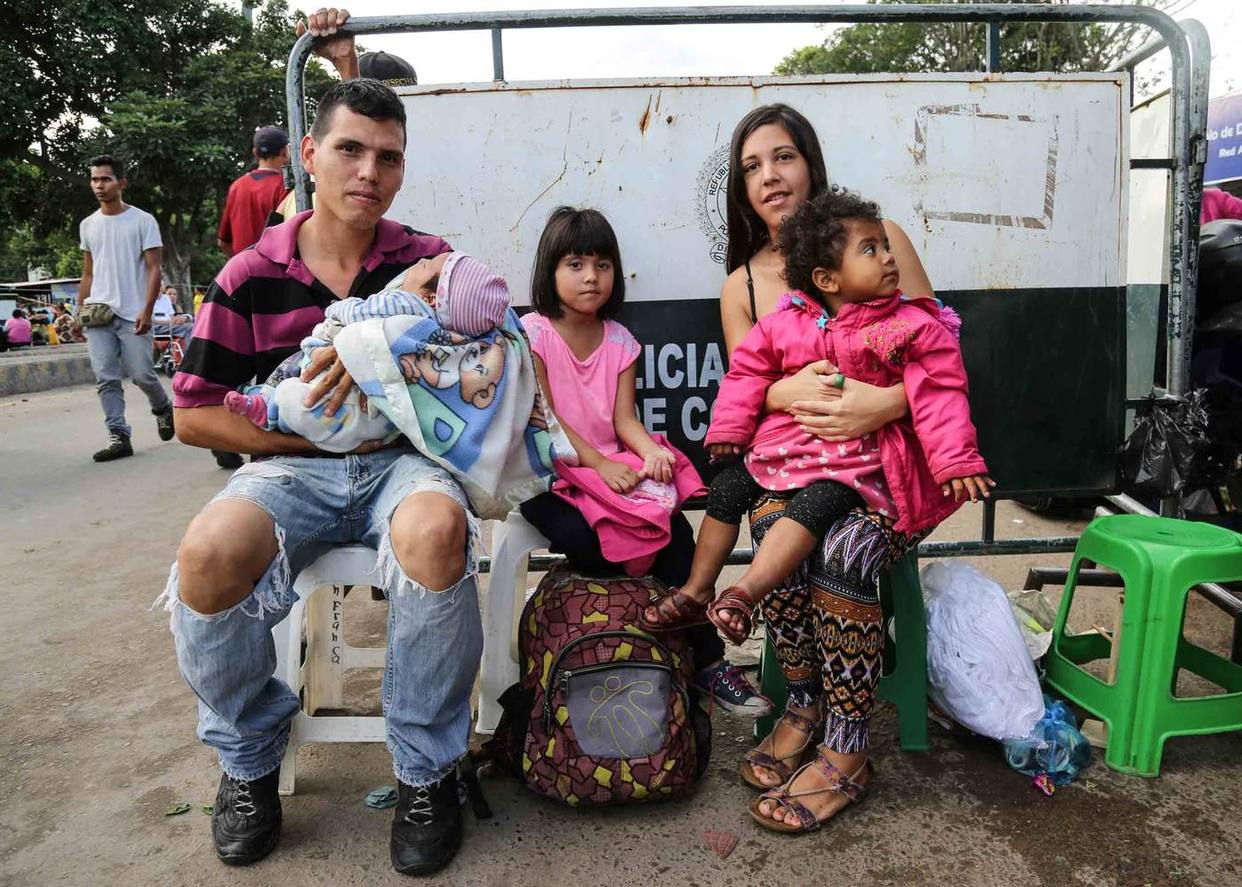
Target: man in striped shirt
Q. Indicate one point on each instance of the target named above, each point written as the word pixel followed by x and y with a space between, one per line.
pixel 233 577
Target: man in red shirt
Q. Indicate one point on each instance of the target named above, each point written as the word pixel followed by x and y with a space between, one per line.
pixel 253 196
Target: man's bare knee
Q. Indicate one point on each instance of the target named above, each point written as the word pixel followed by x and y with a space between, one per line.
pixel 428 532
pixel 225 550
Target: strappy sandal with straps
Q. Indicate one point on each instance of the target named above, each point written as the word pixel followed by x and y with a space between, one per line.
pixel 787 800
pixel 784 766
pixel 732 599
pixel 674 612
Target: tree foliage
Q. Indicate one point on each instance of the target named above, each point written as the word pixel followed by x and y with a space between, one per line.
pixel 955 46
pixel 176 90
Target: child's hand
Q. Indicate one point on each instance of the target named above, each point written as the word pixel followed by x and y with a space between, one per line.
pixel 659 466
pixel 723 450
pixel 620 477
pixel 976 486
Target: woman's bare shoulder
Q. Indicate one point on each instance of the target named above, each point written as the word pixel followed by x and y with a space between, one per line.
pixel 914 280
pixel 734 287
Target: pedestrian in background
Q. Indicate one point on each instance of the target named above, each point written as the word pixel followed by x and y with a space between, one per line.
pixel 254 195
pixel 17 330
pixel 121 250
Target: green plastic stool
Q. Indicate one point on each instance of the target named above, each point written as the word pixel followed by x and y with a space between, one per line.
pixel 904 682
pixel 1159 560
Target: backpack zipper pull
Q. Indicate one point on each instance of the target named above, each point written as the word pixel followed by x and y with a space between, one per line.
pixel 563 682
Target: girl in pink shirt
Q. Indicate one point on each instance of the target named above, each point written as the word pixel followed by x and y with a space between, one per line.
pixel 846 308
pixel 619 508
pixel 585 362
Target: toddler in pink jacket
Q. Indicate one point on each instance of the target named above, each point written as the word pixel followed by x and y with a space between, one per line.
pixel 912 473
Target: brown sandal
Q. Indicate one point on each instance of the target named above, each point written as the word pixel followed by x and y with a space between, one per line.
pixel 674 612
pixel 735 599
pixel 843 784
pixel 782 767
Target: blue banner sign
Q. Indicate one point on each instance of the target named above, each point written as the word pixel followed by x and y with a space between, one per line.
pixel 1224 136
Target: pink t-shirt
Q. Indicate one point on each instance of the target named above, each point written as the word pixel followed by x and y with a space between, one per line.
pixel 18 330
pixel 584 392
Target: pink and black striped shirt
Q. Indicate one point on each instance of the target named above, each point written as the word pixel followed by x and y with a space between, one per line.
pixel 265 301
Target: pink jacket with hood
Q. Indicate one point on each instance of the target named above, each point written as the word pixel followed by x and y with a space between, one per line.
pixel 882 342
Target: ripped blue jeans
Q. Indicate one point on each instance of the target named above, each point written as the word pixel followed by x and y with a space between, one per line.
pixel 435 637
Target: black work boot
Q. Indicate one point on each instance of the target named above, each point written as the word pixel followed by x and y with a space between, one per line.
pixel 164 424
pixel 245 823
pixel 426 826
pixel 118 448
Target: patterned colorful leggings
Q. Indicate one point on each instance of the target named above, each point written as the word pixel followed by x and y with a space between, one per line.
pixel 826 622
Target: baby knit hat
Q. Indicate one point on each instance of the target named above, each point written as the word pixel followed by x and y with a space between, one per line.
pixel 470 298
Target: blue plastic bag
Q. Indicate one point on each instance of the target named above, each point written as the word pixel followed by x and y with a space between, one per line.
pixel 1054 747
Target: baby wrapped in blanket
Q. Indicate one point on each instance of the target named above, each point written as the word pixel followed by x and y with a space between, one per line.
pixel 440 357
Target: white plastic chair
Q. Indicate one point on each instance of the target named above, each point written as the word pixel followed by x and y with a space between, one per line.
pixel 512 542
pixel 320 592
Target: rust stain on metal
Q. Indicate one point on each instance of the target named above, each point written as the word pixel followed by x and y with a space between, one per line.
pixel 646 118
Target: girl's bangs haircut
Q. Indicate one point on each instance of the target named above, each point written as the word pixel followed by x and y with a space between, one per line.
pixel 575 232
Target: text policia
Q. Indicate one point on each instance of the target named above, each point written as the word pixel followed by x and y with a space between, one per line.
pixel 677 384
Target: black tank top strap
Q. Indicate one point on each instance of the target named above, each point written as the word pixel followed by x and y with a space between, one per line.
pixel 750 288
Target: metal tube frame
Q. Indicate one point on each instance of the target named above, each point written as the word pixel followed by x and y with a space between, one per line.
pixel 1178 370
pixel 1188 111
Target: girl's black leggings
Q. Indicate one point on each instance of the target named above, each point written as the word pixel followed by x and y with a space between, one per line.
pixel 734 492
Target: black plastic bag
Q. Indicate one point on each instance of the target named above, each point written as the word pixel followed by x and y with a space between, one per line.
pixel 1166 453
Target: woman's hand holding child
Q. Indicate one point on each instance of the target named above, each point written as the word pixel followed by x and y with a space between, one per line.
pixel 720 451
pixel 812 382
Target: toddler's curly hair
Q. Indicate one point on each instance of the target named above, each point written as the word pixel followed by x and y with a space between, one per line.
pixel 815 235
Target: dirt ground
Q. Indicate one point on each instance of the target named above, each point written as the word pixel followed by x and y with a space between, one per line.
pixel 97 735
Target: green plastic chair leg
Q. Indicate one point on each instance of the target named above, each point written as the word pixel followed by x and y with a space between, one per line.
pixel 905 685
pixel 771 685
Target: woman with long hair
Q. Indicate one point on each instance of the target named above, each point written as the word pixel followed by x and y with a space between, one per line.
pixel 825 620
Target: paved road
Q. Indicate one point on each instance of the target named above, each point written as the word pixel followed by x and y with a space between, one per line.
pixel 97 736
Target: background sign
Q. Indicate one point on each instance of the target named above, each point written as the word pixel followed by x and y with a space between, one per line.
pixel 1011 187
pixel 1224 136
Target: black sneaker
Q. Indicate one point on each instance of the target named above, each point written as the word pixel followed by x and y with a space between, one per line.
pixel 118 448
pixel 729 688
pixel 426 826
pixel 228 460
pixel 164 424
pixel 245 823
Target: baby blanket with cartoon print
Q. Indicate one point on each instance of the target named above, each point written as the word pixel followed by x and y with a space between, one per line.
pixel 470 404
